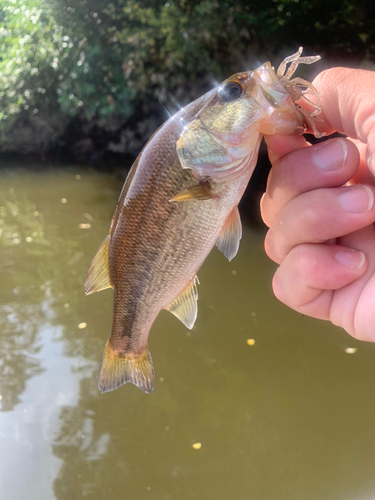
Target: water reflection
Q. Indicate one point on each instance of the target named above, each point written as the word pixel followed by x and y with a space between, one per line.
pixel 287 417
pixel 21 299
pixel 42 260
pixel 43 354
pixel 18 347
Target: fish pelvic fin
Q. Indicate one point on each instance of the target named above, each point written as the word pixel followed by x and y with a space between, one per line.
pixel 98 277
pixel 185 306
pixel 119 368
pixel 229 239
pixel 199 193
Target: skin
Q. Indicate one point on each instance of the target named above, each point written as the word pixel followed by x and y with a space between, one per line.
pixel 321 230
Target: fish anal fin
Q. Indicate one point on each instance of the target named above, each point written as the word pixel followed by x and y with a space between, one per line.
pixel 184 306
pixel 119 368
pixel 98 276
pixel 199 193
pixel 229 239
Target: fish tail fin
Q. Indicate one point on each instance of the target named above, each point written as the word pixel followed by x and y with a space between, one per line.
pixel 118 368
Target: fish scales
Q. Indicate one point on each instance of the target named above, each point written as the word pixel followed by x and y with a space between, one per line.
pixel 179 200
pixel 159 260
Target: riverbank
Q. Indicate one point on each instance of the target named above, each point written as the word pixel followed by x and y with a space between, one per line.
pixel 100 142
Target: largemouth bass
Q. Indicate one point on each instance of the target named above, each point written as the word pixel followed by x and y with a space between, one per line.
pixel 179 200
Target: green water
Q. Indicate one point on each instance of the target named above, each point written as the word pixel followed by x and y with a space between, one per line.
pixel 289 418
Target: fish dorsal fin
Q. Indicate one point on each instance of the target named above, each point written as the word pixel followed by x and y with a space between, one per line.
pixel 98 276
pixel 198 193
pixel 185 307
pixel 119 368
pixel 229 239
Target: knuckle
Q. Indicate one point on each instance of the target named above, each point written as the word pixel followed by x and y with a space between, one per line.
pixel 278 287
pixel 304 215
pixel 283 287
pixel 271 247
pixel 304 261
pixel 264 210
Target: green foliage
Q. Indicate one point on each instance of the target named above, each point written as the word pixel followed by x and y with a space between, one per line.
pixel 48 64
pixel 31 46
pixel 94 58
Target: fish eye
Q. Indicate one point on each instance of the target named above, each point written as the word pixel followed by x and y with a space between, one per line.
pixel 231 91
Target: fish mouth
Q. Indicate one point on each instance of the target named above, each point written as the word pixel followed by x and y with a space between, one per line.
pixel 285 121
pixel 281 114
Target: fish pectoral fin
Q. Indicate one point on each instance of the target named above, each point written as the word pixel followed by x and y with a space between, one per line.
pixel 118 368
pixel 98 276
pixel 229 239
pixel 184 306
pixel 198 193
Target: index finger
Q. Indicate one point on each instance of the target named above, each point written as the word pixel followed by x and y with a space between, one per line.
pixel 348 105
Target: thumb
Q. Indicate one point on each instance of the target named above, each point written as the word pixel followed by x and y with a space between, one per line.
pixel 348 103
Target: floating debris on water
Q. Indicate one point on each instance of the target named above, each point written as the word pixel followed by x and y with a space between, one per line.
pixel 234 273
pixel 197 446
pixel 77 177
pixel 253 314
pixel 66 306
pixel 188 334
pixel 351 350
pixel 64 200
pixel 28 239
pixel 161 379
pixel 36 213
pixel 81 326
pixel 250 341
pixel 84 226
pixel 148 488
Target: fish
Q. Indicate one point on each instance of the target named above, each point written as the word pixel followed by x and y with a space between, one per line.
pixel 179 200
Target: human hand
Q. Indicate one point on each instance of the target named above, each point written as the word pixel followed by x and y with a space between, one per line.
pixel 322 231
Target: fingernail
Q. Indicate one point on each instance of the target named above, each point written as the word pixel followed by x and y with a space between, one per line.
pixel 331 155
pixel 351 259
pixel 357 200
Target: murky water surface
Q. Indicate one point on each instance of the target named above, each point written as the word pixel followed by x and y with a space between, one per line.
pixel 289 417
